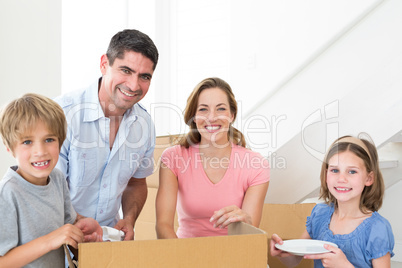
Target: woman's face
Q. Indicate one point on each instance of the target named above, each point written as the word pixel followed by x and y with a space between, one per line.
pixel 213 116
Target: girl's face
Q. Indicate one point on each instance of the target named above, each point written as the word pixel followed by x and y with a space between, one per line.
pixel 347 176
pixel 213 116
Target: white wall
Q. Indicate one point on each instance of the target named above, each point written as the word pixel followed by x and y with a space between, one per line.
pixel 29 51
pixel 255 46
pixel 390 210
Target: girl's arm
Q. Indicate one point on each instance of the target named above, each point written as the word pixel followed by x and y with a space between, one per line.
pixel 250 212
pixel 384 261
pixel 24 254
pixel 166 200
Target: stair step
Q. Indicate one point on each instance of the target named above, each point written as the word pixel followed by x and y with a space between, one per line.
pixel 388 164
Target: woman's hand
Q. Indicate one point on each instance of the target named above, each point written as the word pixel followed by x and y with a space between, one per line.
pixel 225 216
pixel 335 258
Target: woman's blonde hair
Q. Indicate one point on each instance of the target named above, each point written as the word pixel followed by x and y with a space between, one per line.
pixel 22 114
pixel 372 196
pixel 193 136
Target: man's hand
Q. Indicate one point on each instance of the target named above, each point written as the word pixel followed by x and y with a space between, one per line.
pixel 127 228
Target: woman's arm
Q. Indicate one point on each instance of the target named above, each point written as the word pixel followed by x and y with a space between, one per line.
pixel 166 200
pixel 250 212
pixel 254 201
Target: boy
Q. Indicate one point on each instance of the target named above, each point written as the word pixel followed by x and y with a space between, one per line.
pixel 37 215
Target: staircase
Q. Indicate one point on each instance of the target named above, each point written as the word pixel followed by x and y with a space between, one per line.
pixel 354 86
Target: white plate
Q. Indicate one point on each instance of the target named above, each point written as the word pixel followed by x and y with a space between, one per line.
pixel 303 247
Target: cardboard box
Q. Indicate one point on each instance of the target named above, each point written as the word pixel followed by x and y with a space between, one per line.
pixel 289 222
pixel 245 246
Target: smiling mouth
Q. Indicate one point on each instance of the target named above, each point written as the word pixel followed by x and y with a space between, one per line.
pixel 212 128
pixel 342 189
pixel 127 94
pixel 40 164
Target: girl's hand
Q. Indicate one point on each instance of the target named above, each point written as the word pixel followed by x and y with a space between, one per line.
pixel 225 216
pixel 67 234
pixel 274 251
pixel 335 258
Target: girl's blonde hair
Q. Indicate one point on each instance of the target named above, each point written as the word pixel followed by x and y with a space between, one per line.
pixel 372 196
pixel 22 114
pixel 193 136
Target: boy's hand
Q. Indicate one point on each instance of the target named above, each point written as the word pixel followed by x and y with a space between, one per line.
pixel 91 229
pixel 67 234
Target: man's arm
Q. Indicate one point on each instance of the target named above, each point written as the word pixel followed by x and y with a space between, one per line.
pixel 133 200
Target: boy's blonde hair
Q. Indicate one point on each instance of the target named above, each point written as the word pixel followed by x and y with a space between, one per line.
pixel 20 115
pixel 372 196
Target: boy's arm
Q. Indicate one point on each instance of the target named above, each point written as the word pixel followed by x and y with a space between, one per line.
pixel 24 254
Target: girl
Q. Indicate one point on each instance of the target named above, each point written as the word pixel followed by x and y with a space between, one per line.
pixel 352 188
pixel 210 175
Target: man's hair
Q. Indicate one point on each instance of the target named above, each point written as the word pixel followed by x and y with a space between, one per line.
pixel 22 114
pixel 131 40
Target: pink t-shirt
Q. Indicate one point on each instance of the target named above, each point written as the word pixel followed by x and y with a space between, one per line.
pixel 198 198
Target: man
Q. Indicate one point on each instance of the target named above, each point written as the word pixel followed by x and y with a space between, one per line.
pixel 108 152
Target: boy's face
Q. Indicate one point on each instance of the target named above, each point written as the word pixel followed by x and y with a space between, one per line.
pixel 37 153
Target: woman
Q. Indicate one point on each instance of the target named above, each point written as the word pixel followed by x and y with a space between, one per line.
pixel 210 175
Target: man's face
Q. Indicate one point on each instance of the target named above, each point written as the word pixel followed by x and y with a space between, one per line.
pixel 124 83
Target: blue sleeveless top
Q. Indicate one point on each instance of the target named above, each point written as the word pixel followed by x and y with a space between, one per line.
pixel 372 239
